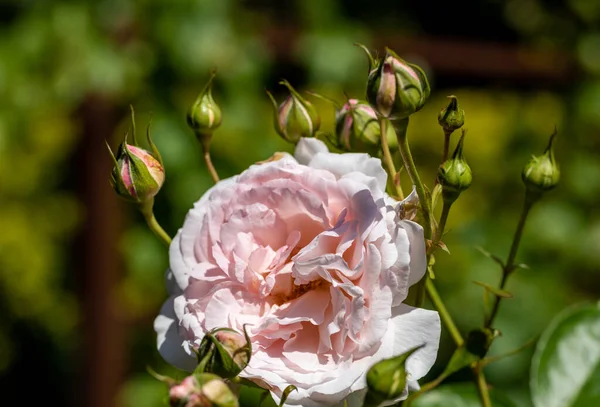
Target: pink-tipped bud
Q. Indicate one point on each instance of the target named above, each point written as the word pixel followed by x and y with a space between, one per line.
pixel 137 175
pixel 296 117
pixel 202 390
pixel 395 88
pixel 357 128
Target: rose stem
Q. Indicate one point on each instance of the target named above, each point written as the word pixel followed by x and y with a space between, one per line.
pixel 482 387
pixel 400 128
pixel 387 158
pixel 447 135
pixel 146 210
pixel 435 298
pixel 437 237
pixel 509 266
pixel 205 142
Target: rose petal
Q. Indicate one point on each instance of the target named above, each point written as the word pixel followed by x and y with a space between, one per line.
pixel 415 327
pixel 169 341
pixel 307 148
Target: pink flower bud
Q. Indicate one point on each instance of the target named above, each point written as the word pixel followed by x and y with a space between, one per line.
pixel 357 128
pixel 395 88
pixel 137 175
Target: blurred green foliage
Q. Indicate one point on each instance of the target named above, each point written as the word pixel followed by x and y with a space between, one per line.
pixel 156 55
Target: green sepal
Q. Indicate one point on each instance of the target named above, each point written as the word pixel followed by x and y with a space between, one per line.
pixel 141 178
pixel 372 61
pixel 286 393
pixel 116 181
pixel 133 135
pixel 155 151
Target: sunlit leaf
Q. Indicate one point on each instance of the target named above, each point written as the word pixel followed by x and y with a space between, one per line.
pixel 565 370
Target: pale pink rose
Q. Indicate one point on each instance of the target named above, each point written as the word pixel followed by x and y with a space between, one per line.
pixel 311 254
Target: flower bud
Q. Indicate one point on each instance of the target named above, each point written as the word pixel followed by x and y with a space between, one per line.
pixel 137 175
pixel 357 128
pixel 181 393
pixel 541 173
pixel 204 116
pixel 228 352
pixel 295 117
pixel 386 380
pixel 202 390
pixel 454 175
pixel 395 88
pixel 451 117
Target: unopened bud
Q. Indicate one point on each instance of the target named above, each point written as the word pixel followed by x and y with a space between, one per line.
pixel 452 117
pixel 228 352
pixel 202 390
pixel 216 392
pixel 137 175
pixel 181 393
pixel 387 380
pixel 357 128
pixel 541 173
pixel 204 116
pixel 454 175
pixel 295 117
pixel 395 88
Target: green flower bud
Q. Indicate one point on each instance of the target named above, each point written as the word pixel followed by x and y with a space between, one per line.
pixel 357 128
pixel 541 173
pixel 395 88
pixel 386 380
pixel 295 117
pixel 204 116
pixel 225 352
pixel 451 117
pixel 454 175
pixel 137 175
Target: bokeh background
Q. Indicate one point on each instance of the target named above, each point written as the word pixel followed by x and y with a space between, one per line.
pixel 81 278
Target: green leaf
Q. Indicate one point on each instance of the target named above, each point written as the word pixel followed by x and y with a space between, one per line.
pixel 490 256
pixel 494 290
pixel 565 370
pixel 459 395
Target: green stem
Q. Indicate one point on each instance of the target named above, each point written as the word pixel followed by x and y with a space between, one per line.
pixel 482 387
pixel 205 142
pixel 509 266
pixel 447 135
pixel 146 210
pixel 387 158
pixel 437 238
pixel 400 127
pixel 435 298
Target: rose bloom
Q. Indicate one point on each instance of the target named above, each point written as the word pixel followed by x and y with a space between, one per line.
pixel 310 253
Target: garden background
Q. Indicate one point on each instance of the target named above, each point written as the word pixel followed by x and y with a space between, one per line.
pixel 81 277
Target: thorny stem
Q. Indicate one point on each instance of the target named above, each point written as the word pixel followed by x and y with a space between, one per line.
pixel 146 210
pixel 387 158
pixel 509 266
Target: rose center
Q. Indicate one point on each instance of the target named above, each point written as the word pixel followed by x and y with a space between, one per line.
pixel 298 290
